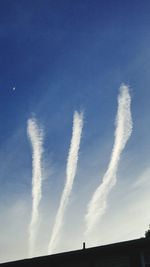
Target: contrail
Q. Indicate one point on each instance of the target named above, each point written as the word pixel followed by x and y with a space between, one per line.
pixel 70 175
pixel 35 135
pixel 98 203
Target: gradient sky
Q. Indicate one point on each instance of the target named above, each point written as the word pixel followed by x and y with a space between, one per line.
pixel 62 56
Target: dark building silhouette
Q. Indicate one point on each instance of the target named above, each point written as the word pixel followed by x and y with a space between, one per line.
pixel 134 253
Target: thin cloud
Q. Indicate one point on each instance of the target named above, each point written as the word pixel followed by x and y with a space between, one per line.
pixel 70 175
pixel 35 135
pixel 98 203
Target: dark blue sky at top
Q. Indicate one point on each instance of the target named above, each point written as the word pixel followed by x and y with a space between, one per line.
pixel 67 55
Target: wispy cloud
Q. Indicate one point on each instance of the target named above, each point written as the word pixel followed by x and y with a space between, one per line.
pixel 98 203
pixel 35 135
pixel 70 175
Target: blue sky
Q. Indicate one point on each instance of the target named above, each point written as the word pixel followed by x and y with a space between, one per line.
pixel 63 56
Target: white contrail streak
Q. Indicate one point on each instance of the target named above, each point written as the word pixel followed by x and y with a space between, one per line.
pixel 70 175
pixel 35 135
pixel 98 203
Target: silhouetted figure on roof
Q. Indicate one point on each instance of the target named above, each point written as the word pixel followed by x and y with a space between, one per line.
pixel 147 233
